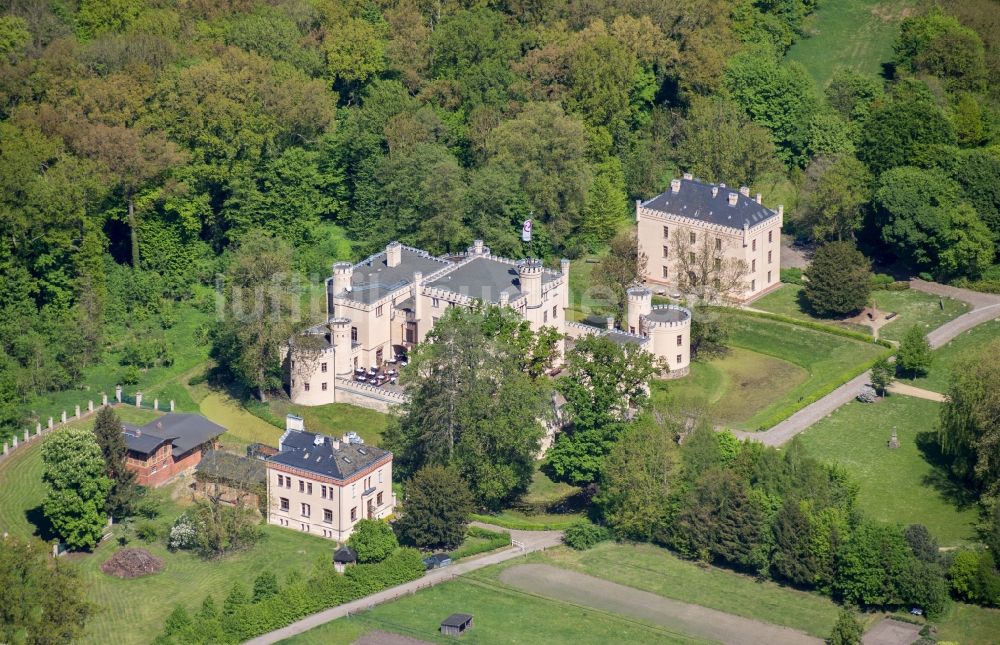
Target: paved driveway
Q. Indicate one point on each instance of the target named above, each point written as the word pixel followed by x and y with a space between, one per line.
pixel 692 620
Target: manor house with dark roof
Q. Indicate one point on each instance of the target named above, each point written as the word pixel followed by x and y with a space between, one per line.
pixel 694 216
pixel 325 485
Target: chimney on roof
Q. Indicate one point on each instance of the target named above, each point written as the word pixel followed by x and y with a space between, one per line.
pixel 318 440
pixel 721 185
pixel 335 443
pixel 688 176
pixel 345 439
pixel 393 254
pixel 759 198
pixel 504 298
pixel 715 191
pixel 781 210
pixel 733 198
pixel 675 185
pixel 745 191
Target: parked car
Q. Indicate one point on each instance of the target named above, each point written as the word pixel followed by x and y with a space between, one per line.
pixel 437 561
pixel 917 611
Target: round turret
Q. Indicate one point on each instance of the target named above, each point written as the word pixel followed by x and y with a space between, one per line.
pixel 529 273
pixel 669 331
pixel 640 301
pixel 342 274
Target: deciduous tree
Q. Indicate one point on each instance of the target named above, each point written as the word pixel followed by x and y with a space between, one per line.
pixel 620 268
pixel 914 355
pixel 77 487
pixel 123 494
pixel 373 540
pixel 834 195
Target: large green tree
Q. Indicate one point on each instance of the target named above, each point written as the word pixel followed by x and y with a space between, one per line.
pixel 472 405
pixel 437 506
pixel 123 494
pixel 838 280
pixel 969 432
pixel 901 129
pixel 605 383
pixel 914 355
pixel 77 487
pixel 42 599
pixel 835 193
pixel 373 540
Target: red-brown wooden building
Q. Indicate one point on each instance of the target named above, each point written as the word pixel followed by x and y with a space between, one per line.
pixel 168 445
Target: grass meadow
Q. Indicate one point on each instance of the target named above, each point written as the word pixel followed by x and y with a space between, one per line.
pixel 902 486
pixel 913 308
pixel 968 344
pixel 772 369
pixel 857 34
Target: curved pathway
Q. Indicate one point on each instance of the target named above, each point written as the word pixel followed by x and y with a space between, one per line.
pixel 604 595
pixel 529 540
pixel 985 307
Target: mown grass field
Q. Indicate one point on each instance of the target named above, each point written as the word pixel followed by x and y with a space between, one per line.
pixel 901 486
pixel 773 369
pixel 913 308
pixel 858 34
pixel 967 345
pixel 587 302
pixel 735 386
pixel 502 615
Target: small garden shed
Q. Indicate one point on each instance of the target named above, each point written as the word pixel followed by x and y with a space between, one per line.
pixel 456 624
pixel 344 557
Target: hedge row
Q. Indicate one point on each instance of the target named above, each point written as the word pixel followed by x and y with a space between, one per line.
pixel 518 524
pixel 494 540
pixel 297 598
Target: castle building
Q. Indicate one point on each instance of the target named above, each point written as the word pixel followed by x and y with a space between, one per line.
pixel 385 305
pixel 697 222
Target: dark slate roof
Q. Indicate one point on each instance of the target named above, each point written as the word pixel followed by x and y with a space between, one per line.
pixel 456 620
pixel 623 338
pixel 300 450
pixel 695 200
pixel 186 431
pixel 345 555
pixel 665 314
pixel 141 442
pixel 485 278
pixel 373 279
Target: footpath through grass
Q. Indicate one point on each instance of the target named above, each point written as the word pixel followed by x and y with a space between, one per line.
pixel 850 33
pixel 901 486
pixel 912 308
pixel 969 344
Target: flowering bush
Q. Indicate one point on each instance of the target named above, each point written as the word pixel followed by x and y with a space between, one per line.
pixel 183 534
pixel 867 394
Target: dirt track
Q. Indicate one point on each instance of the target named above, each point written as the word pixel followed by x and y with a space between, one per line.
pixel 694 620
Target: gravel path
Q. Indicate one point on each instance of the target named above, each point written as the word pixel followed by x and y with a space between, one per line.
pixel 532 541
pixel 985 307
pixel 918 392
pixel 693 620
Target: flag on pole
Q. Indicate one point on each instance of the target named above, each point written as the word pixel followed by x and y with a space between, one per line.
pixel 526 231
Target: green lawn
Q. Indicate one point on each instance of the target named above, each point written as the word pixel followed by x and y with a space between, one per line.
pixel 657 570
pixel 969 625
pixel 132 611
pixel 502 615
pixel 899 486
pixel 774 369
pixel 21 488
pixel 735 386
pixel 913 308
pixel 332 419
pixel 849 33
pixel 970 343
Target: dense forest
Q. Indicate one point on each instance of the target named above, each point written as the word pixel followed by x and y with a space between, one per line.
pixel 141 141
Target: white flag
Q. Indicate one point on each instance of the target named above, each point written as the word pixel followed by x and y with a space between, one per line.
pixel 526 231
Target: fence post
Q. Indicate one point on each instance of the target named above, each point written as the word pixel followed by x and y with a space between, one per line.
pixel 26 436
pixel 38 428
pixel 118 393
pixel 90 406
pixel 156 404
pixel 77 411
pixel 138 399
pixel 104 398
pixel 51 424
pixel 64 416
pixel 5 448
pixel 14 440
pixel 171 405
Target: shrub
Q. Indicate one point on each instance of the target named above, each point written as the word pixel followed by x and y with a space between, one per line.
pixel 583 535
pixel 847 630
pixel 792 275
pixel 130 376
pixel 881 281
pixel 182 534
pixel 494 540
pixel 147 531
pixel 867 394
pixel 899 285
pixel 373 540
pixel 974 578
